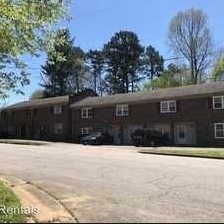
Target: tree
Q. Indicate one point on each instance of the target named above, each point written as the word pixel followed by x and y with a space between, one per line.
pixel 62 77
pixel 37 94
pixel 25 29
pixel 153 63
pixel 218 71
pixel 173 76
pixel 95 60
pixel 190 37
pixel 122 57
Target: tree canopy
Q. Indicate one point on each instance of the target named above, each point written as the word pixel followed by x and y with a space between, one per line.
pixel 173 76
pixel 37 94
pixel 62 77
pixel 153 63
pixel 122 56
pixel 26 27
pixel 95 61
pixel 218 70
pixel 190 37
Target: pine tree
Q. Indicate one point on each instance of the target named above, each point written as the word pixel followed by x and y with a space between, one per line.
pixel 122 58
pixel 62 77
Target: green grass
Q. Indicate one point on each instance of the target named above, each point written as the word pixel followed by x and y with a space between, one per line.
pixel 9 199
pixel 196 152
pixel 21 142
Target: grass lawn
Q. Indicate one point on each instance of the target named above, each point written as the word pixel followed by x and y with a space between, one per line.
pixel 195 152
pixel 21 142
pixel 9 199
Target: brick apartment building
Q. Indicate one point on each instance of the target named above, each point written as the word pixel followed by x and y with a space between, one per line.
pixel 191 115
pixel 44 119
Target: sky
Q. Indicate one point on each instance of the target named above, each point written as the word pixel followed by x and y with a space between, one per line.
pixel 95 21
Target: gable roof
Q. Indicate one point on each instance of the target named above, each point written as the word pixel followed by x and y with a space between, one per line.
pixel 153 95
pixel 39 103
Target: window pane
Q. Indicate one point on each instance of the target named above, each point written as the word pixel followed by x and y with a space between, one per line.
pixel 219 134
pixel 84 113
pixel 172 106
pixel 164 106
pixel 125 110
pixel 219 130
pixel 218 102
pixel 219 127
pixel 89 113
pixel 57 109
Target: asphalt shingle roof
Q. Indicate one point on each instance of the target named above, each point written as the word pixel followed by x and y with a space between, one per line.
pixel 153 95
pixel 39 102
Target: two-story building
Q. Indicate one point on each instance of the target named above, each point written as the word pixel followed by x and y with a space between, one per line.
pixel 42 119
pixel 191 115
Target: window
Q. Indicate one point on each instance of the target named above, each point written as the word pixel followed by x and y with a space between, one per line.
pixel 168 107
pixel 122 110
pixel 57 109
pixel 218 102
pixel 58 129
pixel 164 129
pixel 219 130
pixel 86 130
pixel 28 113
pixel 3 114
pixel 87 112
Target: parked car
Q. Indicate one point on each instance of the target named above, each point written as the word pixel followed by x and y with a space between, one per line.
pixel 142 137
pixel 4 134
pixel 98 138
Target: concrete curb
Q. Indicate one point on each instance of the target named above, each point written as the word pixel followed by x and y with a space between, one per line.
pixel 178 155
pixel 50 209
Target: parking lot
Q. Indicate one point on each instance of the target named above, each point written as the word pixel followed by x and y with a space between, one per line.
pixel 117 184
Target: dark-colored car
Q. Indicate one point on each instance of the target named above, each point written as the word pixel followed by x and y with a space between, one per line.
pixel 98 138
pixel 4 134
pixel 149 138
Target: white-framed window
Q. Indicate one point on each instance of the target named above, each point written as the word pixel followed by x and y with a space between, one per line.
pixel 87 112
pixel 86 130
pixel 122 110
pixel 163 128
pixel 58 109
pixel 219 130
pixel 58 129
pixel 168 106
pixel 218 102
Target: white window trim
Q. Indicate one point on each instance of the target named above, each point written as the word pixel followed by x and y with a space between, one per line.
pixel 216 130
pixel 87 114
pixel 122 110
pixel 163 128
pixel 56 111
pixel 168 111
pixel 213 102
pixel 90 129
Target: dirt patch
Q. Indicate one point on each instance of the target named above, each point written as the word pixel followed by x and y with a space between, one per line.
pixel 48 209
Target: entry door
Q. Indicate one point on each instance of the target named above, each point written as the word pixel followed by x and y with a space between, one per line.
pixel 23 131
pixel 116 133
pixel 181 134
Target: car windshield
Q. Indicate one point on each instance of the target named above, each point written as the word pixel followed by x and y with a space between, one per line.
pixel 95 135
